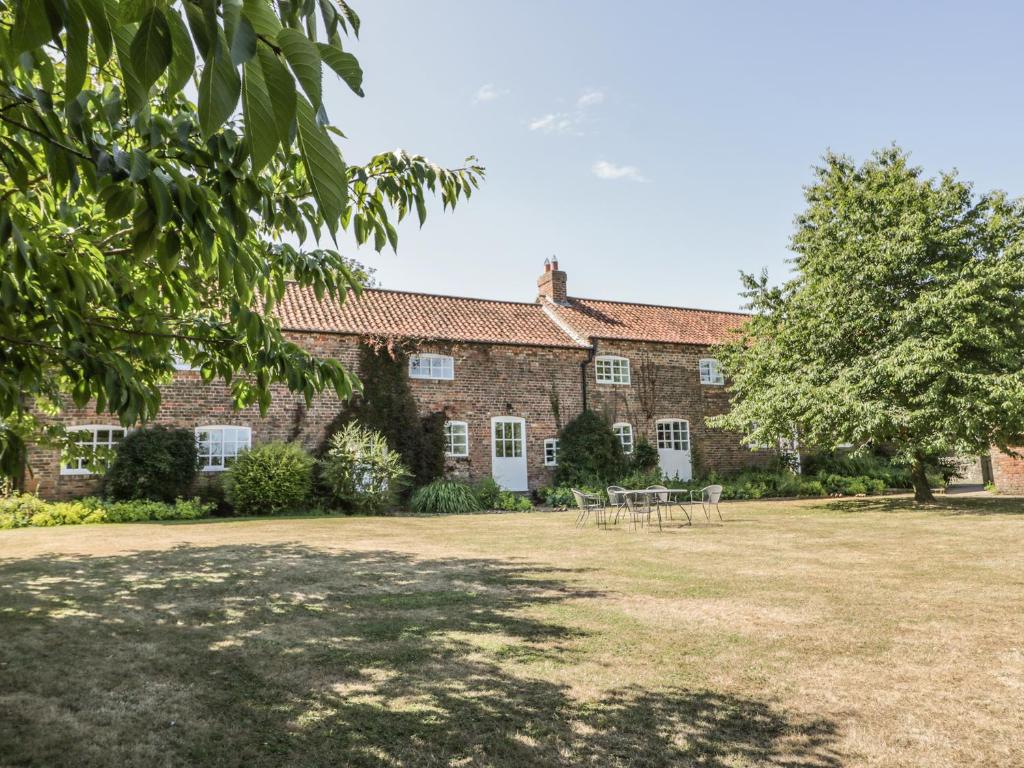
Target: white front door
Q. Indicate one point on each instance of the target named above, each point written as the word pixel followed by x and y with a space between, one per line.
pixel 508 452
pixel 674 448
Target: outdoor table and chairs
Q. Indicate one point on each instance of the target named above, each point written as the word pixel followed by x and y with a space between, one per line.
pixel 643 505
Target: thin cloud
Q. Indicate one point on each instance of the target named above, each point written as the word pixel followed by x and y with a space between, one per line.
pixel 487 92
pixel 553 122
pixel 570 122
pixel 605 170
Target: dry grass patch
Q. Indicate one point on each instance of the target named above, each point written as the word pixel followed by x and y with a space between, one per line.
pixel 826 633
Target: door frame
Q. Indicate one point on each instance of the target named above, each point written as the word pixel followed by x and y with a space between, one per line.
pixel 521 474
pixel 687 454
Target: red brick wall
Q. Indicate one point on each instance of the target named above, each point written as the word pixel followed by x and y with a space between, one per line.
pixel 1008 472
pixel 490 380
pixel 677 393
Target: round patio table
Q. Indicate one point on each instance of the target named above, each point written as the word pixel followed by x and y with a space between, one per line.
pixel 647 493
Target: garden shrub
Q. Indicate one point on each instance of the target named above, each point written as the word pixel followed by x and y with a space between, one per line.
pixel 157 463
pixel 268 479
pixel 487 492
pixel 589 453
pixel 23 510
pixel 360 471
pixel 17 510
pixel 511 502
pixel 445 496
pixel 386 405
pixel 645 458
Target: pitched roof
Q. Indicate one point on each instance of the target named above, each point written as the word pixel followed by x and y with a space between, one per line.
pixel 421 316
pixel 594 318
pixel 378 312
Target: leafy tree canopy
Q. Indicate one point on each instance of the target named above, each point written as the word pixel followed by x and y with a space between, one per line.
pixel 902 324
pixel 157 158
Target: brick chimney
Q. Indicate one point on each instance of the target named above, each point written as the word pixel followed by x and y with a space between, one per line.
pixel 552 282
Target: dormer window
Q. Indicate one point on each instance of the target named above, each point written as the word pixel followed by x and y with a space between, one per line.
pixel 430 366
pixel 711 372
pixel 612 369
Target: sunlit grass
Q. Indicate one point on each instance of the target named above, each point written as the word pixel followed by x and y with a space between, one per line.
pixel 857 632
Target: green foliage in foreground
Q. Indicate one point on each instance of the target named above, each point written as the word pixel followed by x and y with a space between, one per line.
pixel 23 510
pixel 269 479
pixel 138 226
pixel 445 497
pixel 903 324
pixel 157 463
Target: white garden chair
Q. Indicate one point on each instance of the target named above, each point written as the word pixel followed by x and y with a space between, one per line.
pixel 587 503
pixel 617 500
pixel 708 497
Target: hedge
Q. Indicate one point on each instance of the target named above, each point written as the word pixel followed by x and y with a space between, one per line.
pixel 25 510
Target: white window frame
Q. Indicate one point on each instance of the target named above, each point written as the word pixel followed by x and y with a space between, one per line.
pixel 711 374
pixel 431 366
pixel 551 452
pixel 93 444
pixel 622 429
pixel 238 445
pixel 612 369
pixel 180 364
pixel 666 428
pixel 451 449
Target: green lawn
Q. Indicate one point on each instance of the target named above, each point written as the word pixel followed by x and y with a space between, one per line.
pixel 820 633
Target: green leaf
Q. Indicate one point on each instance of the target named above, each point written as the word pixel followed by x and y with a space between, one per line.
pixel 280 83
pixel 140 165
pixel 151 49
pixel 262 17
pixel 97 12
pixel 136 96
pixel 219 89
pixel 345 65
pixel 324 165
pixel 183 63
pixel 260 130
pixel 243 44
pixel 198 22
pixel 304 59
pixel 31 26
pixel 77 46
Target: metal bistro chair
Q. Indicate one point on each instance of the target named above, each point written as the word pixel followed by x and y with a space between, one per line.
pixel 587 503
pixel 642 513
pixel 663 500
pixel 617 500
pixel 708 497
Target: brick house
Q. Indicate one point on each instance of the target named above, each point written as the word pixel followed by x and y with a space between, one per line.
pixel 508 375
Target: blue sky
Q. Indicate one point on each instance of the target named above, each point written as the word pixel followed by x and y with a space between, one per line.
pixel 657 148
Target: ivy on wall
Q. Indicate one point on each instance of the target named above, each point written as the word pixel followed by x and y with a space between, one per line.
pixel 386 405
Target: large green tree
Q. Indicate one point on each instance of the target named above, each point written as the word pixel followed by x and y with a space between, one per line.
pixel 159 161
pixel 903 322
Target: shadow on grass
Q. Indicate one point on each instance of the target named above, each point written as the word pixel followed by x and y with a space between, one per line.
pixel 949 505
pixel 283 655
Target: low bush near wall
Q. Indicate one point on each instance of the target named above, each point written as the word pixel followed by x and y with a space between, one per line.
pixel 445 497
pixel 749 484
pixel 360 472
pixel 157 463
pixel 511 502
pixel 24 510
pixel 269 479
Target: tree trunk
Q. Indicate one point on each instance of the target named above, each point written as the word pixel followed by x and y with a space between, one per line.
pixel 919 477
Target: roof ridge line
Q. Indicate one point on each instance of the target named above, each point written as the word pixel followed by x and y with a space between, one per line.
pixel 662 306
